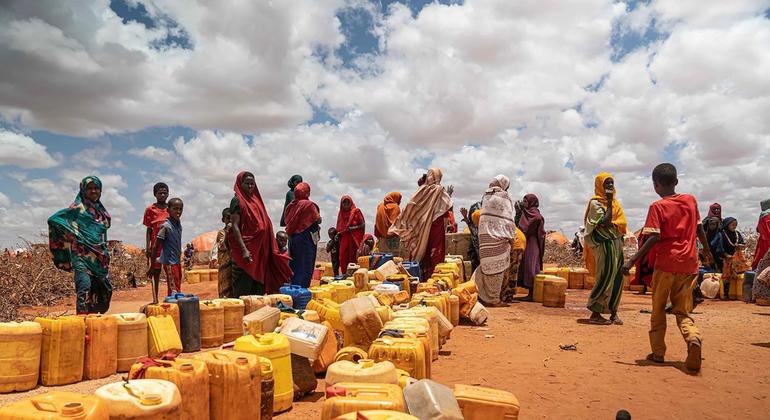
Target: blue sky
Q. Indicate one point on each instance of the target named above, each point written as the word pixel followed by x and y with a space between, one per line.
pixel 333 92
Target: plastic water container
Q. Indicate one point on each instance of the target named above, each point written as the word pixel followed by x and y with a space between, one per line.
pixel 310 315
pixel 264 320
pixel 19 355
pixel 273 299
pixel 537 288
pixel 328 350
pixel 328 310
pixel 363 371
pixel 479 314
pixel 299 295
pixel 405 353
pixel 468 295
pixel 554 292
pixel 363 261
pixel 378 259
pixel 431 318
pixel 343 290
pixel 402 280
pixel 235 384
pixel 577 277
pixel 233 318
pixel 351 354
pixel 101 348
pixel 305 337
pixel 212 316
pixel 478 403
pixel 320 292
pixel 193 276
pixel 275 347
pixel 748 286
pixel 454 310
pixel 189 320
pixel 162 337
pixel 132 339
pixel 429 400
pixel 346 397
pixel 57 405
pixel 361 320
pixel 268 387
pixel 386 270
pixel 191 377
pixel 412 328
pixel 361 279
pixel 377 415
pixel 170 309
pixel 387 288
pixel 142 399
pixel 413 267
pixel 62 349
pixel 253 302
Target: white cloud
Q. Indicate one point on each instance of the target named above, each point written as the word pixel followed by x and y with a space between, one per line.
pixel 157 154
pixel 23 151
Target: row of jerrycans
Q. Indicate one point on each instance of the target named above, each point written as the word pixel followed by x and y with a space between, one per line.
pixel 65 350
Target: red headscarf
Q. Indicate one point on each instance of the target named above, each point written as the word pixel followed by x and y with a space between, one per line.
pixel 301 213
pixel 267 266
pixel 715 210
pixel 347 218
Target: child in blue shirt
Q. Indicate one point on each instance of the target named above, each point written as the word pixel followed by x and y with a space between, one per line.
pixel 169 240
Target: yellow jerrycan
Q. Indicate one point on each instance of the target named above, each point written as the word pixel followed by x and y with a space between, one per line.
pixel 101 350
pixel 343 290
pixel 346 397
pixel 212 324
pixel 163 337
pixel 132 339
pixel 63 345
pixel 377 415
pixel 275 347
pixel 554 292
pixel 142 399
pixel 170 309
pixel 363 371
pixel 20 344
pixel 405 353
pixel 191 377
pixel 234 310
pixel 56 405
pixel 235 384
pixel 479 403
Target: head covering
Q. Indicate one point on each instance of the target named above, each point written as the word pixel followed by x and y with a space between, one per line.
pixel 364 249
pixel 765 205
pixel 618 216
pixel 715 210
pixel 497 227
pixel 475 217
pixel 387 213
pixel 77 235
pixel 293 182
pixel 268 266
pixel 430 202
pixel 301 213
pixel 711 233
pixel 726 222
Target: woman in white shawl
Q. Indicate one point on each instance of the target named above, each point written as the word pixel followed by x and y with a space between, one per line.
pixel 497 229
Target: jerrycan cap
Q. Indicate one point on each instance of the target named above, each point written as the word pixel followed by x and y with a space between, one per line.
pixel 266 339
pixel 267 369
pixel 150 399
pixel 366 363
pixel 242 361
pixel 186 367
pixel 72 409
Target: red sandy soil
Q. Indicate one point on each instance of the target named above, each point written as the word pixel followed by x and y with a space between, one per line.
pixel 518 351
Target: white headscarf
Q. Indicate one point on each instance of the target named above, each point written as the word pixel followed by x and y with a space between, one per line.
pixel 497 227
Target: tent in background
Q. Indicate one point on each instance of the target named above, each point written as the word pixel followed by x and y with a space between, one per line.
pixel 203 244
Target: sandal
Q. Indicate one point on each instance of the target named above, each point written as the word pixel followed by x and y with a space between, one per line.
pixel 653 358
pixel 597 319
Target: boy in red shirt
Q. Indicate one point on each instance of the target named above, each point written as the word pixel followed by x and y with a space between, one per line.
pixel 154 216
pixel 673 222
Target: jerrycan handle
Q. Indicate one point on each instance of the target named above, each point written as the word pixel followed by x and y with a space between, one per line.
pixel 44 406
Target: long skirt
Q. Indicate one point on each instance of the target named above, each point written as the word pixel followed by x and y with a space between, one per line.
pixel 243 283
pixel 531 264
pixel 436 252
pixel 511 276
pixel 605 296
pixel 348 250
pixel 302 250
pixel 225 280
pixel 93 293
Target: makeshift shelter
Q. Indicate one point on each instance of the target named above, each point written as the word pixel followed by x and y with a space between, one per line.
pixel 557 237
pixel 203 244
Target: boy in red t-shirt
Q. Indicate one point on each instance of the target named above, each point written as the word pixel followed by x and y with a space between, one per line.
pixel 154 216
pixel 673 222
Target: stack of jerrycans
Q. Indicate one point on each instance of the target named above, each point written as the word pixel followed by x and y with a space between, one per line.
pixel 427 315
pixel 234 383
pixel 407 354
pixel 277 349
pixel 189 320
pixel 417 328
pixel 191 377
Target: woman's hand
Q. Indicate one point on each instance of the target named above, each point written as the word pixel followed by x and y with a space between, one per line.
pixel 464 212
pixel 247 255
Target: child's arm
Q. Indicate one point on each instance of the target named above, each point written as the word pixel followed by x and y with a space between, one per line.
pixel 652 239
pixel 148 241
pixel 706 247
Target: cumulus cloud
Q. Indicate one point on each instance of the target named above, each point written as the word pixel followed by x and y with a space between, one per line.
pixel 540 94
pixel 23 151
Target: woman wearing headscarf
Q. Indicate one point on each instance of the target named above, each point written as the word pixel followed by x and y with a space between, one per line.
pixel 293 182
pixel 497 229
pixel 715 210
pixel 258 266
pixel 303 221
pixel 471 218
pixel 532 223
pixel 421 227
pixel 728 249
pixel 366 247
pixel 77 237
pixel 605 224
pixel 712 227
pixel 350 231
pixel 387 213
pixel 763 228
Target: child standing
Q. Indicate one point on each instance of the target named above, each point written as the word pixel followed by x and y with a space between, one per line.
pixel 221 255
pixel 154 216
pixel 282 239
pixel 673 222
pixel 169 242
pixel 333 248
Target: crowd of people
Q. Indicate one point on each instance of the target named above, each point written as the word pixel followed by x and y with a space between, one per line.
pixel 507 243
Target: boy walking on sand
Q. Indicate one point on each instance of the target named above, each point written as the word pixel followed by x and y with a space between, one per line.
pixel 673 222
pixel 154 216
pixel 169 240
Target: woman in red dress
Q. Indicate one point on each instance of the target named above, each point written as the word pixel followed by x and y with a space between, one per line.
pixel 350 231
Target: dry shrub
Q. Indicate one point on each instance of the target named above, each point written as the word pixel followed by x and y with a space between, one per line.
pixel 30 279
pixel 563 255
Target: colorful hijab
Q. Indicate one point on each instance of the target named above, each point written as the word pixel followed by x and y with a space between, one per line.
pixel 301 213
pixel 715 210
pixel 267 266
pixel 412 226
pixel 387 213
pixel 496 227
pixel 77 235
pixel 293 182
pixel 364 249
pixel 618 216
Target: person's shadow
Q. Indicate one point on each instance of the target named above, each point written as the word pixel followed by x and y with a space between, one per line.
pixel 648 363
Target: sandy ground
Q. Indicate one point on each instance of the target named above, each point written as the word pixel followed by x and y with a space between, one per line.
pixel 518 351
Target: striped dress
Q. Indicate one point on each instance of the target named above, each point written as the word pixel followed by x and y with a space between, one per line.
pixel 607 247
